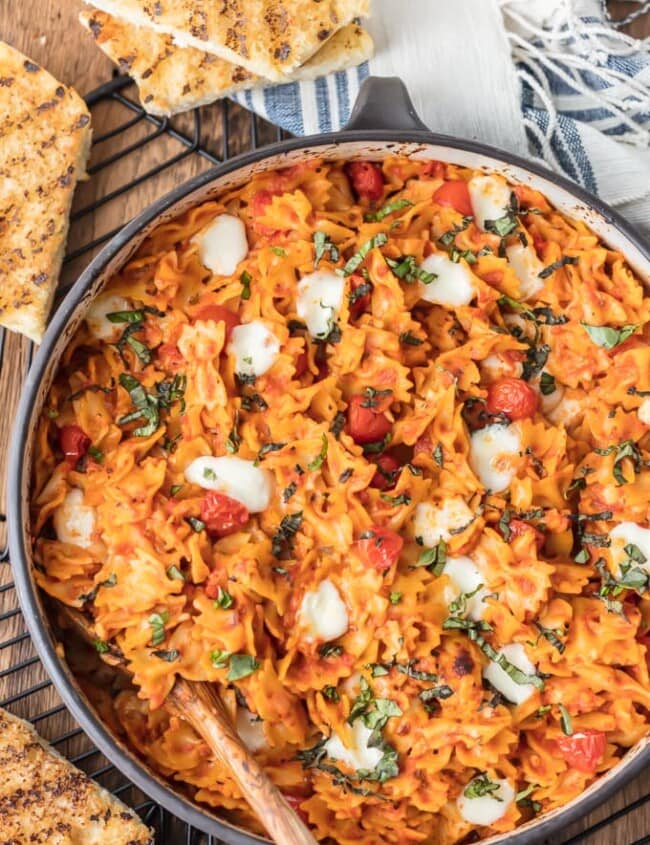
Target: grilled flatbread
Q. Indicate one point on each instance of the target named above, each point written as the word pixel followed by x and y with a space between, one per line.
pixel 43 798
pixel 44 144
pixel 270 38
pixel 172 79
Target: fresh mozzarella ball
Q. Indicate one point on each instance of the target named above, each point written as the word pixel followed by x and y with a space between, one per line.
pixel 644 411
pixel 99 325
pixel 320 296
pixel 352 686
pixel 359 755
pixel 453 286
pixel 467 578
pixel 498 366
pixel 255 348
pixel 222 244
pixel 235 477
pixel 323 613
pixel 251 730
pixel 501 680
pixel 630 534
pixel 433 523
pixel 490 198
pixel 74 522
pixel 486 809
pixel 491 451
pixel 527 267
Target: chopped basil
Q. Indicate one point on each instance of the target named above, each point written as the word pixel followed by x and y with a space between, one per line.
pixel 330 650
pixel 434 559
pixel 102 647
pixel 157 623
pixel 406 269
pixel 317 463
pixel 167 656
pixel 279 251
pixel 346 475
pixel 435 693
pixel 209 474
pixel 377 670
pixel 536 358
pixel 245 280
pixel 175 488
pixel 289 491
pixel 270 447
pixel 608 337
pixel 448 238
pixel 241 666
pixel 634 553
pixel 395 598
pixel 248 401
pixel 480 786
pixel 506 224
pixel 96 454
pixel 438 456
pixel 548 271
pixel 337 424
pixel 552 636
pixel 547 384
pixel 359 292
pixel 219 658
pixel 373 397
pixel 384 211
pixel 359 256
pixel 378 446
pixel 282 542
pixel 147 405
pixel 456 254
pixel 234 440
pixel 323 244
pixel 504 524
pixel 330 693
pixel 111 581
pixel 174 573
pixel 141 350
pixel 197 525
pixel 402 499
pixel 458 606
pixel 362 701
pixel 409 339
pixel 566 721
pixel 223 600
pixel 634 391
pixel 625 449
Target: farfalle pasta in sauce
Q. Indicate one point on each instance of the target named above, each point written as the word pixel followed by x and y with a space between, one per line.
pixel 366 446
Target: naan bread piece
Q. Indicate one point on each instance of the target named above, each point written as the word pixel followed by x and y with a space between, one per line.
pixel 44 145
pixel 270 38
pixel 44 798
pixel 173 79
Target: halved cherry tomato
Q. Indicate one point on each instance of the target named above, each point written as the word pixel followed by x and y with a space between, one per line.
pixel 386 475
pixel 361 304
pixel 435 169
pixel 367 423
pixel 74 442
pixel 518 528
pixel 218 313
pixel 221 514
pixel 583 750
pixel 294 801
pixel 455 195
pixel 513 397
pixel 381 547
pixel 367 179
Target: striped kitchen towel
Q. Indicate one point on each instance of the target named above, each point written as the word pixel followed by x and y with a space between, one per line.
pixel 549 79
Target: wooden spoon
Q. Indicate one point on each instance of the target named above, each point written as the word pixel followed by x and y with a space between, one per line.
pixel 199 705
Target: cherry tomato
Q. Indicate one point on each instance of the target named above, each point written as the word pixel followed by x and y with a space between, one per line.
pixel 221 514
pixel 294 801
pixel 386 475
pixel 435 169
pixel 381 547
pixel 367 424
pixel 74 442
pixel 218 313
pixel 361 304
pixel 513 397
pixel 367 179
pixel 455 195
pixel 259 201
pixel 170 356
pixel 583 750
pixel 518 528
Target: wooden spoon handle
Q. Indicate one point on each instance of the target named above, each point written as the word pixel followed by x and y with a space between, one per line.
pixel 198 705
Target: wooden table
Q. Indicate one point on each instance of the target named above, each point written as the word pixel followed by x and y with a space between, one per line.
pixel 47 30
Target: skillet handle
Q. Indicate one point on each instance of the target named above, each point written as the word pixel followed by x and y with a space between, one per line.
pixel 384 103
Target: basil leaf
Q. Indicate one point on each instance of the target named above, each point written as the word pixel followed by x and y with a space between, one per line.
pixel 395 598
pixel 556 265
pixel 331 693
pixel 223 600
pixel 245 280
pixel 337 424
pixel 330 650
pixel 434 559
pixel 157 623
pixel 241 666
pixel 289 491
pixel 547 384
pixel 389 208
pixel 168 656
pixel 565 721
pixel 174 573
pixel 102 647
pixel 359 256
pixel 323 244
pixel 480 786
pixel 219 659
pixel 409 339
pixel 279 251
pixel 197 525
pixel 317 463
pixel 406 269
pixel 282 542
pixel 608 337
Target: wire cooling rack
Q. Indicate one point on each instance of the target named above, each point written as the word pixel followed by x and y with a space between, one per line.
pixel 125 137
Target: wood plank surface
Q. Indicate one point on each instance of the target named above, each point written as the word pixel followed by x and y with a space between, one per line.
pixel 47 31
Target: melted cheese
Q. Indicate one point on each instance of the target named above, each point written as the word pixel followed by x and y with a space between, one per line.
pixel 255 348
pixel 97 322
pixel 527 266
pixel 433 523
pixel 501 680
pixel 222 244
pixel 466 577
pixel 453 286
pixel 75 522
pixel 490 198
pixel 492 451
pixel 567 411
pixel 235 477
pixel 323 613
pixel 630 534
pixel 320 296
pixel 644 411
pixel 358 755
pixel 486 809
pixel 251 730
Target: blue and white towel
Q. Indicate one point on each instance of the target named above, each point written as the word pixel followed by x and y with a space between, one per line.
pixel 546 79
